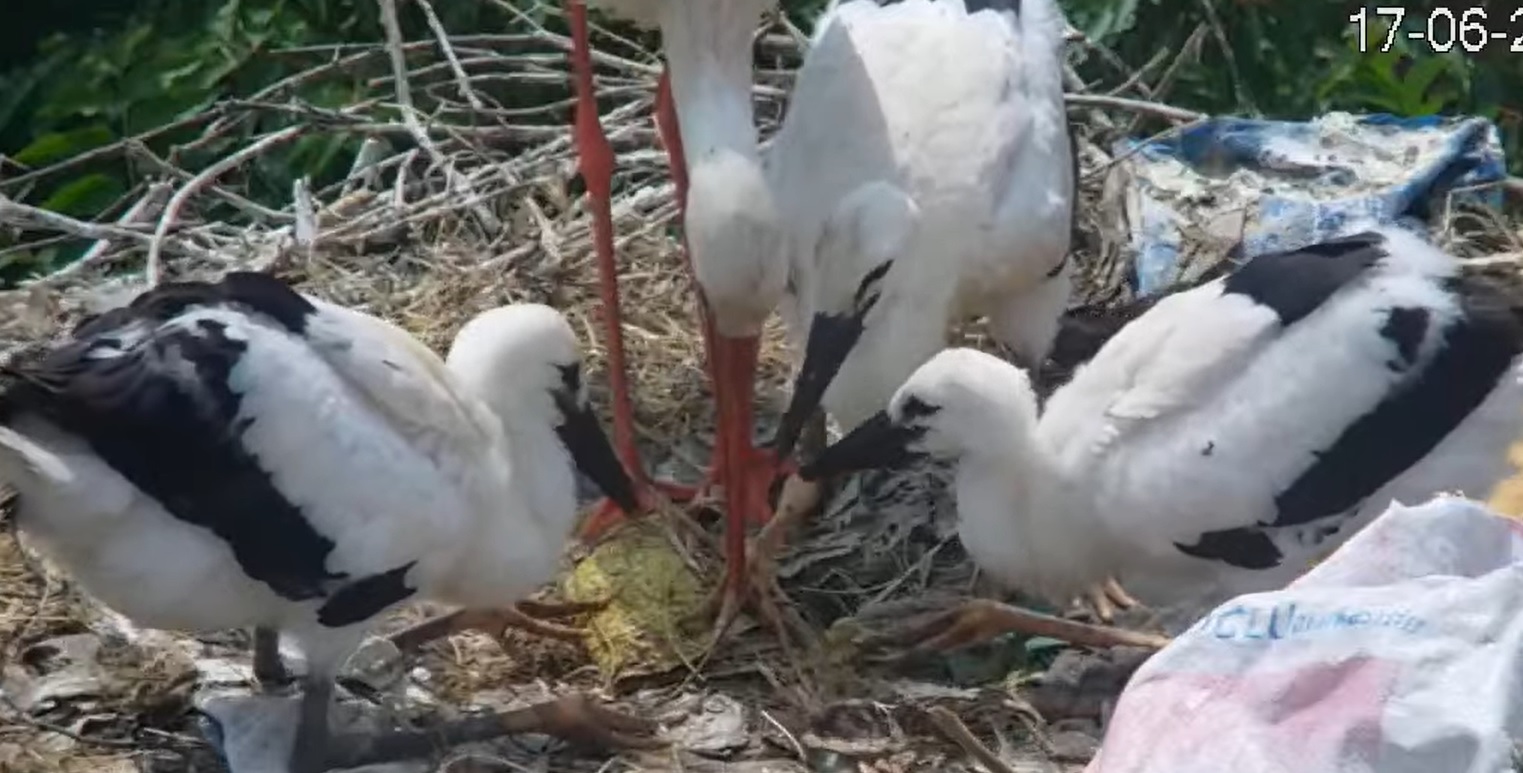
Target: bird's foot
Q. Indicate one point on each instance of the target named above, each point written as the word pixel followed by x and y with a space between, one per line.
pixel 758 588
pixel 496 622
pixel 606 515
pixel 1105 598
pixel 758 591
pixel 525 615
pixel 574 718
pixel 760 466
pixel 761 474
pixel 978 620
pixel 580 720
pixel 765 473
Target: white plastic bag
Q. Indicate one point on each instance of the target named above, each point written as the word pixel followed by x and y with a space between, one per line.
pixel 1402 653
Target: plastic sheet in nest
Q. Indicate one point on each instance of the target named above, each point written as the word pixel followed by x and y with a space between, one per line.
pixel 1507 496
pixel 652 622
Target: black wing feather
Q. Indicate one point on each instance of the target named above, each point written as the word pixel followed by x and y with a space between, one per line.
pixel 1477 351
pixel 153 400
pixel 1294 283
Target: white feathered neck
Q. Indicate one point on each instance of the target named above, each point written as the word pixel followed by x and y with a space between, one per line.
pixel 731 223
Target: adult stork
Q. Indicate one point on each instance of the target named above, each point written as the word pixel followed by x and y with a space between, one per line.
pixel 232 454
pixel 925 172
pixel 926 157
pixel 732 232
pixel 1224 439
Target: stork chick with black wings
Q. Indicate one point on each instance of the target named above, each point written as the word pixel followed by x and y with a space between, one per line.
pixel 238 454
pixel 1225 439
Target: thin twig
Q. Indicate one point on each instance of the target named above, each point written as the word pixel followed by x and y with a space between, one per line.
pixel 461 80
pixel 1166 112
pixel 958 733
pixel 1138 145
pixel 27 719
pixel 25 215
pixel 154 271
pixel 1189 52
pixel 410 115
pixel 144 153
pixel 564 43
pixel 1138 79
pixel 105 151
pixel 144 211
pixel 1239 87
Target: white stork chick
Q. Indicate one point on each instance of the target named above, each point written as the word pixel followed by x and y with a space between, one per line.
pixel 926 173
pixel 1226 438
pixel 231 454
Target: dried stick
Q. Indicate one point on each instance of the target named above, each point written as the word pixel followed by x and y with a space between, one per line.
pixel 146 154
pixel 1239 88
pixel 410 115
pixel 16 213
pixel 145 210
pixel 1190 51
pixel 1138 78
pixel 958 733
pixel 104 151
pixel 365 171
pixel 463 81
pixel 564 43
pixel 206 176
pixel 305 230
pixel 1166 112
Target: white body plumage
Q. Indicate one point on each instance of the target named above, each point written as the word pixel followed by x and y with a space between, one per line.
pixel 731 224
pixel 935 137
pixel 1233 433
pixel 445 482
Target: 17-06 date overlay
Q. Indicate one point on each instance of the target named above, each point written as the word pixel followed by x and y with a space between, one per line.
pixel 1470 29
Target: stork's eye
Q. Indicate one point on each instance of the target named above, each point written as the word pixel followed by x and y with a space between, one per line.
pixel 571 378
pixel 915 408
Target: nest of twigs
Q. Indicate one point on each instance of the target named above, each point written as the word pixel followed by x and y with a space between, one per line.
pixel 473 205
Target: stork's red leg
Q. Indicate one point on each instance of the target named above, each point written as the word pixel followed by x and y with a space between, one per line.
pixel 671 140
pixel 754 467
pixel 595 160
pixel 745 473
pixel 744 371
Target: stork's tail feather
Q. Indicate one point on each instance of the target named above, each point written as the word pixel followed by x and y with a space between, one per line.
pixel 21 459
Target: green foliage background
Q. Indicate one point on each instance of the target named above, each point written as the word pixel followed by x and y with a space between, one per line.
pixel 80 74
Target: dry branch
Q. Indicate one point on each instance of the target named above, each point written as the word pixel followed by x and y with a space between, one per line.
pixel 201 180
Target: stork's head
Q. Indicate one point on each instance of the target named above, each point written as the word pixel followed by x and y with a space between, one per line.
pixel 960 402
pixel 736 238
pixel 526 363
pixel 871 229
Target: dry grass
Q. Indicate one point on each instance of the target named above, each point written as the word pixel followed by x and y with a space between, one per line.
pixel 459 225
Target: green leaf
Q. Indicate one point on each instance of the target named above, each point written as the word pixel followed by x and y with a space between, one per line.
pixel 59 145
pixel 84 196
pixel 1423 73
pixel 170 78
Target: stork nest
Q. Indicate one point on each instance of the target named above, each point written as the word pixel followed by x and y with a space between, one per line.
pixel 471 206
